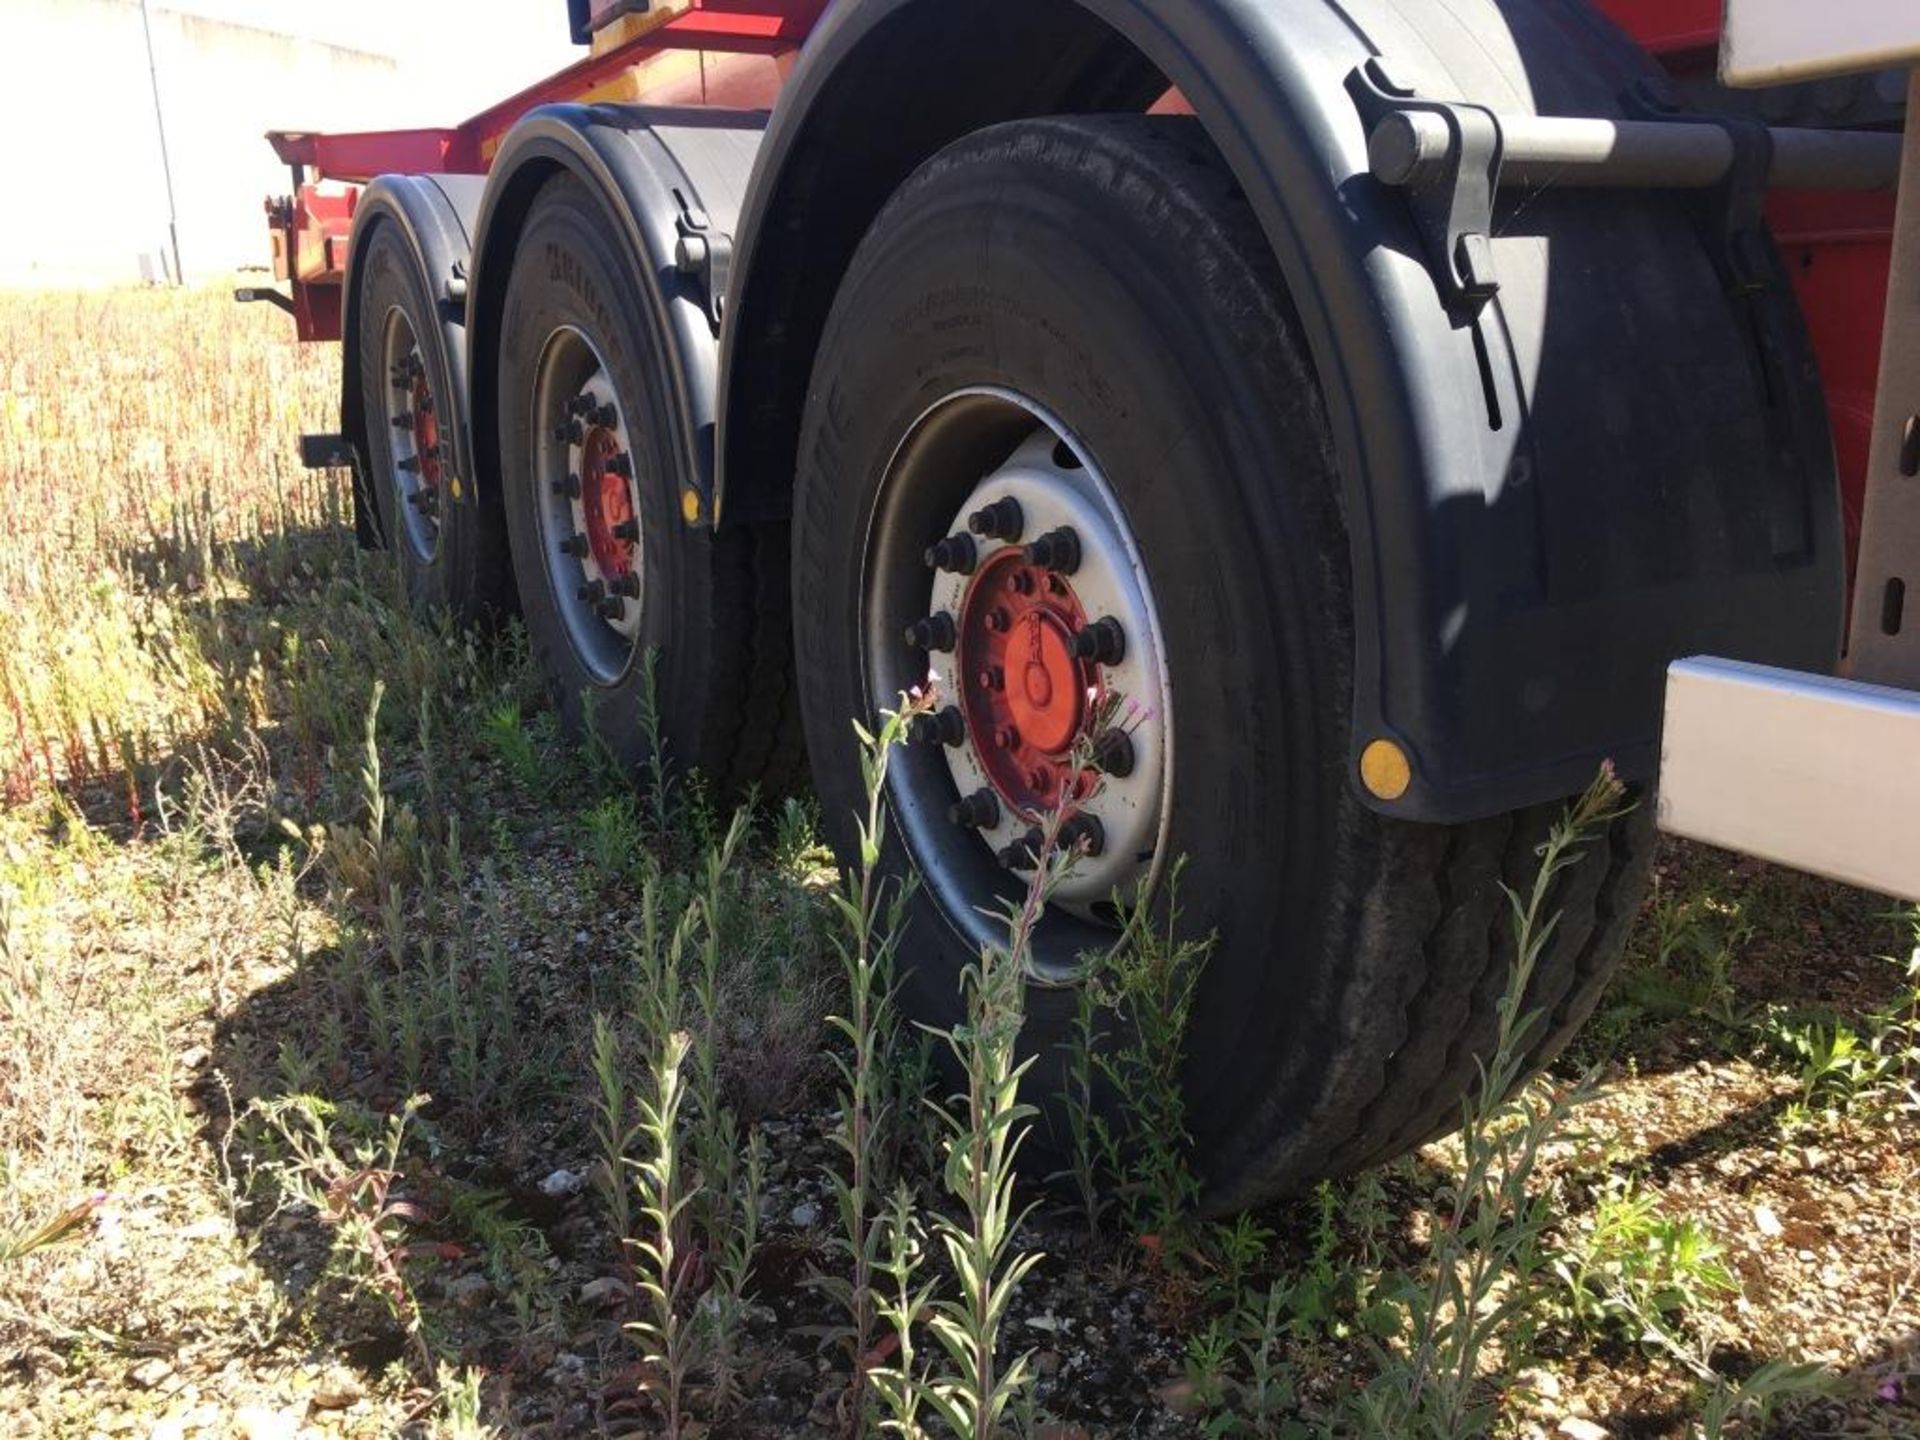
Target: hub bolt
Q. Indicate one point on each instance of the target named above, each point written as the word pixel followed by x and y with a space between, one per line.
pixel 1005 738
pixel 998 620
pixel 978 811
pixel 935 632
pixel 1040 778
pixel 574 545
pixel 1104 642
pixel 992 678
pixel 1113 753
pixel 569 487
pixel 1001 520
pixel 957 553
pixel 627 530
pixel 1024 853
pixel 1021 582
pixel 1057 550
pixel 1085 832
pixel 943 727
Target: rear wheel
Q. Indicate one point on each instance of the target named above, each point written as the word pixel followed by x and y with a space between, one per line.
pixel 449 548
pixel 608 571
pixel 1064 456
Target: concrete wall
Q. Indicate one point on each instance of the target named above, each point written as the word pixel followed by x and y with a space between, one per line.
pixel 85 202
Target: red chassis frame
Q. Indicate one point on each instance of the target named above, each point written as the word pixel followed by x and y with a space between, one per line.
pixel 1838 247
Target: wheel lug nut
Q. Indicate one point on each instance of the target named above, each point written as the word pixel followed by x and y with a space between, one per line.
pixel 627 530
pixel 1113 753
pixel 569 487
pixel 627 585
pixel 580 405
pixel 569 433
pixel 1021 582
pixel 1022 854
pixel 957 553
pixel 403 421
pixel 978 811
pixel 574 545
pixel 992 678
pixel 998 620
pixel 1104 642
pixel 408 464
pixel 593 592
pixel 1057 550
pixel 1005 738
pixel 620 465
pixel 1084 831
pixel 1001 520
pixel 935 632
pixel 1040 779
pixel 944 727
pixel 605 416
pixel 612 608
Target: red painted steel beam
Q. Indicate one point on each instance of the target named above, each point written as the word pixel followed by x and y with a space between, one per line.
pixel 1669 29
pixel 361 155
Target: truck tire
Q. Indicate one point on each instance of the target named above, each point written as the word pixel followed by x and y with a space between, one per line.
pixel 450 549
pixel 607 569
pixel 1080 314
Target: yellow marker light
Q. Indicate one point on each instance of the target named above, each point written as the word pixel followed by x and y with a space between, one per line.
pixel 690 506
pixel 454 485
pixel 1385 770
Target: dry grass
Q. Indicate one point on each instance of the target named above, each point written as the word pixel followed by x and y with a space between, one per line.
pixel 231 950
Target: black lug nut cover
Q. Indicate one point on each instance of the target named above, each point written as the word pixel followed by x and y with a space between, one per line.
pixel 1104 641
pixel 1057 550
pixel 979 811
pixel 956 552
pixel 1086 831
pixel 935 632
pixel 1113 753
pixel 1001 520
pixel 944 727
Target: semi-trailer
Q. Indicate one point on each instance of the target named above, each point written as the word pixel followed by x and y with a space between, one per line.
pixel 1295 437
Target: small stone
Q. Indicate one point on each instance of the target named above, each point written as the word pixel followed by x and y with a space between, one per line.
pixel 149 1373
pixel 1574 1428
pixel 256 1422
pixel 262 1423
pixel 1767 1222
pixel 336 1390
pixel 1543 1383
pixel 607 1290
pixel 805 1215
pixel 469 1291
pixel 1178 1396
pixel 562 1182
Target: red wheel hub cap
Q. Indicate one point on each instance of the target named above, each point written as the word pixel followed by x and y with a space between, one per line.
pixel 1025 696
pixel 426 433
pixel 605 498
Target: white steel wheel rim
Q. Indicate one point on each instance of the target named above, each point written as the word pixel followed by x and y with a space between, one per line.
pixel 967 451
pixel 414 463
pixel 595 569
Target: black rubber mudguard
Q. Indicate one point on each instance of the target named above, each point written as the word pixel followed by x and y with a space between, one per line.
pixel 435 213
pixel 672 182
pixel 1619 458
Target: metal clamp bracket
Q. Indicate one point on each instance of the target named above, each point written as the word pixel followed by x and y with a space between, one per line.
pixel 705 255
pixel 1451 200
